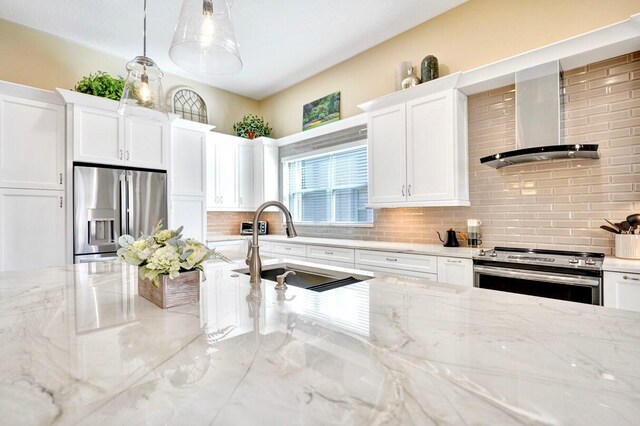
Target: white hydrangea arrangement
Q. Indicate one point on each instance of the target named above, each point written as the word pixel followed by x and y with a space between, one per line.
pixel 164 252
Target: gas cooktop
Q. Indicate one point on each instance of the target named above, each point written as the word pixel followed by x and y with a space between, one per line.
pixel 556 258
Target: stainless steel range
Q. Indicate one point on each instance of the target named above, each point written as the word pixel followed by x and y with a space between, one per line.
pixel 564 275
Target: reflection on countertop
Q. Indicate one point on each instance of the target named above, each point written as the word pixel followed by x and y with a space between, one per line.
pixel 79 346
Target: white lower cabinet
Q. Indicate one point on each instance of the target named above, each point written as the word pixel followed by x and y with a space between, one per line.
pixel 621 290
pixel 32 228
pixel 404 272
pixel 452 270
pixel 227 246
pixel 298 251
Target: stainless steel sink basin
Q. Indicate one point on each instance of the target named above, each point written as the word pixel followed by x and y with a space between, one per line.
pixel 310 278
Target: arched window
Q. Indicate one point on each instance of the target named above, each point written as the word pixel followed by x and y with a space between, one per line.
pixel 189 105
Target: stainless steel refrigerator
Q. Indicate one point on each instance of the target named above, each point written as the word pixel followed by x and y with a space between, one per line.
pixel 110 202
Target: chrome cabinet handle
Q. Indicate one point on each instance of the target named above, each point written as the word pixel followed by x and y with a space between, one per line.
pixel 121 154
pixel 240 200
pixel 409 190
pixel 60 202
pixel 391 259
pixel 329 253
pixel 626 277
pixel 128 155
pixel 403 190
pixel 60 178
pixel 454 261
pixel 287 248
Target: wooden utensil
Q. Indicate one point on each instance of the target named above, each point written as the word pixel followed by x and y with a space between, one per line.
pixel 610 229
pixel 614 225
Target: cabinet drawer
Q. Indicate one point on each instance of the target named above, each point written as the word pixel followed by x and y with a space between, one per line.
pixel 331 253
pixel 266 247
pixel 229 245
pixel 348 265
pixel 299 250
pixel 411 262
pixel 401 272
pixel 621 290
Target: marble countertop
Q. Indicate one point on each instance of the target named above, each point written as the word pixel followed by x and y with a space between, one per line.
pixel 617 264
pixel 395 247
pixel 79 346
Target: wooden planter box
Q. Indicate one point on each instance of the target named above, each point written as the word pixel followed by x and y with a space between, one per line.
pixel 181 290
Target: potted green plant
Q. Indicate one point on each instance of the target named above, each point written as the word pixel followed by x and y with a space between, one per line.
pixel 251 126
pixel 101 84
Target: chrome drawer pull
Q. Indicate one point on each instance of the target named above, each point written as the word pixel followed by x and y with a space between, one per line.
pixel 454 261
pixel 287 248
pixel 626 277
pixel 328 252
pixel 390 259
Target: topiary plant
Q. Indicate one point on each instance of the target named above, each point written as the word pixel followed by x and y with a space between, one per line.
pixel 101 84
pixel 251 126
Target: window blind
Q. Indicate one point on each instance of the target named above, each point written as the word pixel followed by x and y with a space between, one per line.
pixel 328 188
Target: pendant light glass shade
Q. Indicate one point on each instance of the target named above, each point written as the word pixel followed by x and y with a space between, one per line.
pixel 204 41
pixel 142 95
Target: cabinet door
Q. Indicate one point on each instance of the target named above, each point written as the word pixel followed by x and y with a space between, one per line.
pixel 98 136
pixel 31 144
pixel 453 270
pixel 387 155
pixel 188 163
pixel 32 228
pixel 245 177
pixel 146 144
pixel 191 213
pixel 210 169
pixel 266 166
pixel 622 291
pixel 430 148
pixel 226 165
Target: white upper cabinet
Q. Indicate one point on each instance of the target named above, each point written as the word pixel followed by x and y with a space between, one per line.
pixel 32 143
pixel 241 173
pixel 418 149
pixel 101 136
pixel 146 144
pixel 188 161
pixel 245 177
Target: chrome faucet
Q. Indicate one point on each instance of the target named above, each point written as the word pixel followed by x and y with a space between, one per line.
pixel 253 254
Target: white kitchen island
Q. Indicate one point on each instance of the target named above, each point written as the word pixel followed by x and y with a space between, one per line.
pixel 79 346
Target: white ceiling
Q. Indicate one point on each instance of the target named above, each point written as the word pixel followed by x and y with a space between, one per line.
pixel 282 42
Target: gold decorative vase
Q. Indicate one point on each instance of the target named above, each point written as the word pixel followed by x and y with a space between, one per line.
pixel 182 290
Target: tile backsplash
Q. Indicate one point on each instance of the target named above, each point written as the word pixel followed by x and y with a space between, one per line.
pixel 558 204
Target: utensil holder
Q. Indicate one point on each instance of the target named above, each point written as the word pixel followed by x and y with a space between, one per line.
pixel 627 246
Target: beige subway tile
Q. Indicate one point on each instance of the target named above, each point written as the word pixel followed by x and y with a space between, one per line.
pixel 575 88
pixel 612 116
pixel 609 99
pixel 625 87
pixel 587 128
pixel 631 122
pixel 572 240
pixel 586 198
pixel 571 173
pixel 626 196
pixel 574 223
pixel 595 93
pixel 624 68
pixel 599 109
pixel 608 81
pixel 624 104
pixel 613 205
pixel 631 159
pixel 601 179
pixel 609 63
pixel 609 134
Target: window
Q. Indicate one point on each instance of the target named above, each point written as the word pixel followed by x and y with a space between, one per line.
pixel 328 188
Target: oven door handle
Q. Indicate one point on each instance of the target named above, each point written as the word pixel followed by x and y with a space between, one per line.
pixel 546 277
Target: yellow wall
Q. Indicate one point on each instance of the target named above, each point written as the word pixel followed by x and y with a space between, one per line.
pixel 473 34
pixel 36 59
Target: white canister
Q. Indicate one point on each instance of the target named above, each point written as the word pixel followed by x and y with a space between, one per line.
pixel 628 246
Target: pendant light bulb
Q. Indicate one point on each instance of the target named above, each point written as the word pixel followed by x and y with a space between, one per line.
pixel 145 91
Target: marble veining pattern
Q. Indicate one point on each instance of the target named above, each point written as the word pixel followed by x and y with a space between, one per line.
pixel 80 347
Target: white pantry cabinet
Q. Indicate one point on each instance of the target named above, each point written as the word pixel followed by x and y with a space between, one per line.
pixel 32 228
pixel 418 151
pixel 453 270
pixel 32 143
pixel 101 136
pixel 188 178
pixel 621 290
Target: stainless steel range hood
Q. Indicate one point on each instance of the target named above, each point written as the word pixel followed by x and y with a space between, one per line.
pixel 538 123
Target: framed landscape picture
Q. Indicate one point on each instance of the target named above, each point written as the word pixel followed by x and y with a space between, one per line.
pixel 321 111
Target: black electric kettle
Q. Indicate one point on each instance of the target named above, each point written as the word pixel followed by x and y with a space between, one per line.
pixel 452 240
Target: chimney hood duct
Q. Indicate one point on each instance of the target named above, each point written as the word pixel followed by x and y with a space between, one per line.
pixel 538 128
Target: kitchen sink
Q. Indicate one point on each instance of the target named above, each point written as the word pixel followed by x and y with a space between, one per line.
pixel 310 278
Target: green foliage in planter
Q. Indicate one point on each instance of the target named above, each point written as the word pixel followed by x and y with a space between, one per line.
pixel 101 84
pixel 251 126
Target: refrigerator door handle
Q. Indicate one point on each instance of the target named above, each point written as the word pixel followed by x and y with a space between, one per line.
pixel 124 228
pixel 130 202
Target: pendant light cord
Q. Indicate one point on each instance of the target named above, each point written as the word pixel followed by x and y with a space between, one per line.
pixel 144 37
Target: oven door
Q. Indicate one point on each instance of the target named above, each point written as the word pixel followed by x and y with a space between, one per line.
pixel 553 285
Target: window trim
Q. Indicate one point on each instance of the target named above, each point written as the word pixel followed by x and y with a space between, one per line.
pixel 318 153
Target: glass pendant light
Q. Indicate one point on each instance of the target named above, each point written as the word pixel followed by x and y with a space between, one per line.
pixel 204 41
pixel 142 95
